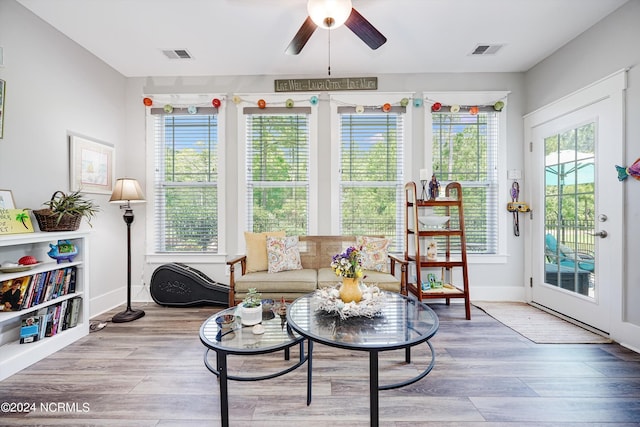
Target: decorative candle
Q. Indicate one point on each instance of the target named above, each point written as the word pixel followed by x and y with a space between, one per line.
pixel 425 175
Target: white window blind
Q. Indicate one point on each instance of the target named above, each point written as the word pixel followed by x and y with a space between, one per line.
pixel 185 184
pixel 371 173
pixel 465 149
pixel 277 159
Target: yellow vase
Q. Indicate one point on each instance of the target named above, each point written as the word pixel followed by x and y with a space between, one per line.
pixel 350 290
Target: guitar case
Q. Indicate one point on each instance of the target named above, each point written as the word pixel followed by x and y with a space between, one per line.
pixel 178 285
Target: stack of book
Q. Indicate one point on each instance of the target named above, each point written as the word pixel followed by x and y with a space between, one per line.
pixel 49 321
pixel 28 291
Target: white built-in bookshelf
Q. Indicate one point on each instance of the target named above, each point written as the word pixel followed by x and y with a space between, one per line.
pixel 15 356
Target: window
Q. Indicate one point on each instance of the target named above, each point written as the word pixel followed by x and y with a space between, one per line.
pixel 186 180
pixel 371 178
pixel 465 149
pixel 277 169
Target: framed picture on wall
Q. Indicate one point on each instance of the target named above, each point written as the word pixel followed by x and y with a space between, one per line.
pixel 91 165
pixel 3 87
pixel 6 200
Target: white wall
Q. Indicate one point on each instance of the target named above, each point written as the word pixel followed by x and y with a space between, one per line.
pixel 607 47
pixel 55 86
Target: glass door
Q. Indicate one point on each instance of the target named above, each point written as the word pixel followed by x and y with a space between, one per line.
pixel 571 274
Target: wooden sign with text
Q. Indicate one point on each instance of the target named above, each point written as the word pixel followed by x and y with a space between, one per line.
pixel 15 221
pixel 328 84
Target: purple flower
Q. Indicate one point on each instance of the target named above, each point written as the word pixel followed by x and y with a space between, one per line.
pixel 348 263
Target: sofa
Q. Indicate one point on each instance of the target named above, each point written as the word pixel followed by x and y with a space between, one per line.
pixel 314 269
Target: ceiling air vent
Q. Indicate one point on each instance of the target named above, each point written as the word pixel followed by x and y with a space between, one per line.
pixel 176 53
pixel 486 49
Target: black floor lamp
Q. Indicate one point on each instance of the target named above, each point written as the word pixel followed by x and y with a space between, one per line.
pixel 127 191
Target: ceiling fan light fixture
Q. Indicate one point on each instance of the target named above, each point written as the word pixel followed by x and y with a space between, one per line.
pixel 329 14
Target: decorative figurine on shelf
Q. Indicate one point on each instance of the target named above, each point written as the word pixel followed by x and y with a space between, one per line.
pixel 64 250
pixel 432 250
pixel 434 187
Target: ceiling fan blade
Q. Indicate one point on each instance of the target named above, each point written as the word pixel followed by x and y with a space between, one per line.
pixel 363 29
pixel 302 37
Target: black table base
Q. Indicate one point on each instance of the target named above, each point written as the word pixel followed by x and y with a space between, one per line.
pixel 220 370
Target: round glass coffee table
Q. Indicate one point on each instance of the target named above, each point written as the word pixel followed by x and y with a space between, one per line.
pixel 225 335
pixel 402 324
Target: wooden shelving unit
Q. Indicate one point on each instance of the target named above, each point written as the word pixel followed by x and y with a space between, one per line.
pixel 451 235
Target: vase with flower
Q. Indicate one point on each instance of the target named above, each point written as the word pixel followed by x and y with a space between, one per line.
pixel 348 265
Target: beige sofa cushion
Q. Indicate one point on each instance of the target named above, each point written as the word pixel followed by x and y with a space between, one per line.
pixel 256 249
pixel 385 281
pixel 327 277
pixel 299 281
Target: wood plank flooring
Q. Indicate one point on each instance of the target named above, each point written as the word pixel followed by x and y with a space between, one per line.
pixel 150 372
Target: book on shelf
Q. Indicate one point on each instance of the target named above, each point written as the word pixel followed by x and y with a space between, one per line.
pixel 52 327
pixel 67 316
pixel 28 297
pixel 75 312
pixel 12 293
pixel 39 292
pixel 29 330
pixel 72 280
pixel 48 293
pixel 71 313
pixel 67 280
pixel 36 282
pixel 57 283
pixel 63 314
pixel 51 310
pixel 43 316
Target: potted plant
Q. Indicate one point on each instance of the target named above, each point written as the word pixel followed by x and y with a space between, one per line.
pixel 251 308
pixel 65 211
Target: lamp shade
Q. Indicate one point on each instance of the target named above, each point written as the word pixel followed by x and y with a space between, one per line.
pixel 329 13
pixel 127 190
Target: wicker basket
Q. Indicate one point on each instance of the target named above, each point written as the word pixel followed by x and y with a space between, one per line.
pixel 51 221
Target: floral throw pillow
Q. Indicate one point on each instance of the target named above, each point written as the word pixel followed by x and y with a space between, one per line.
pixel 283 254
pixel 374 253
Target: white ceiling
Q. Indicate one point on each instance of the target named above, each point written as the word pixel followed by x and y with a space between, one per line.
pixel 249 37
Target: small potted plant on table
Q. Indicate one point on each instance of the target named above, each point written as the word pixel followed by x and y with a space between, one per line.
pixel 251 308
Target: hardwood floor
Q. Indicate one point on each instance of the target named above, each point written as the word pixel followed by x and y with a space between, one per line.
pixel 150 373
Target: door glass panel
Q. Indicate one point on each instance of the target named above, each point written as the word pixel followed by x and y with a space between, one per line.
pixel 570 209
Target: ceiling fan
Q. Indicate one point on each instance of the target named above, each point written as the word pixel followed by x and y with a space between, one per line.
pixel 330 14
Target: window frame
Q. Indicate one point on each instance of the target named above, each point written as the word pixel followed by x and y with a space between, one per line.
pixel 183 101
pixel 276 100
pixel 503 185
pixel 339 99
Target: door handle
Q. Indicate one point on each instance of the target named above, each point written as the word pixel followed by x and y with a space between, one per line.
pixel 601 233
